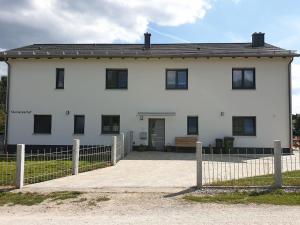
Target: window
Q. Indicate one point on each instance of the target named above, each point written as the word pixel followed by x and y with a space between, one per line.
pixel 116 78
pixel 243 78
pixel 243 126
pixel 60 78
pixel 42 124
pixel 79 124
pixel 110 124
pixel 192 125
pixel 177 79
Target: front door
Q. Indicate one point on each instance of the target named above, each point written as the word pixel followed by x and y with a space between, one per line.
pixel 157 134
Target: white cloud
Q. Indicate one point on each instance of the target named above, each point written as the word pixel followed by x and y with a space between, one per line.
pixel 94 20
pixel 296 88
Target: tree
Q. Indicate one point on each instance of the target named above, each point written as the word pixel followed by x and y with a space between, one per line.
pixel 3 84
pixel 297 125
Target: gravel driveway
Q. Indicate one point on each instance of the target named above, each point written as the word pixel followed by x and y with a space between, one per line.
pixel 146 209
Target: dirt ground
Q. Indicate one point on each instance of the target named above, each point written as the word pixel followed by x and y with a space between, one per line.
pixel 142 209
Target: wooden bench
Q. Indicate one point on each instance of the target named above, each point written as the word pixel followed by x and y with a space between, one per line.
pixel 185 142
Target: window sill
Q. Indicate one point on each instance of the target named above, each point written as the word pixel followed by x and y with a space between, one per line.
pixel 243 89
pixel 244 135
pixel 109 134
pixel 176 89
pixel 41 133
pixel 78 134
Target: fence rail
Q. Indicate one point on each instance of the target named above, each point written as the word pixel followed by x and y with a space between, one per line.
pixel 45 165
pixel 7 169
pixel 41 165
pixel 94 157
pixel 248 169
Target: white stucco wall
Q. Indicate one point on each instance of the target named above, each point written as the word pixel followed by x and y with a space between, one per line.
pixel 209 93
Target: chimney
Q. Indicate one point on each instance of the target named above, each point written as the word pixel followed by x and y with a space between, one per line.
pixel 258 39
pixel 147 44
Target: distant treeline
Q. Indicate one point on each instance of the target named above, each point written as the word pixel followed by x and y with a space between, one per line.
pixel 296 125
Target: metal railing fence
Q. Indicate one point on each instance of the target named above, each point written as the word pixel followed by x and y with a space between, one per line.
pixel 7 169
pixel 47 164
pixel 94 157
pixel 247 168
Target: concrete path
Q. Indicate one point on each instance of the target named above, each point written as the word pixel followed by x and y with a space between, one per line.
pixel 138 170
pixel 165 170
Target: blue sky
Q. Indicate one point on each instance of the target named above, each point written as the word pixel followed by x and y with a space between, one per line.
pixel 120 21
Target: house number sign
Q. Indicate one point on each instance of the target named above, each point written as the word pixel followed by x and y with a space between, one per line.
pixel 21 111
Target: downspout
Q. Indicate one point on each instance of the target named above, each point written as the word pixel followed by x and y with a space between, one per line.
pixel 7 105
pixel 290 103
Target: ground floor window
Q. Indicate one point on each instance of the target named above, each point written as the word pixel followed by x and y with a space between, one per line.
pixel 192 125
pixel 244 125
pixel 79 124
pixel 110 124
pixel 42 124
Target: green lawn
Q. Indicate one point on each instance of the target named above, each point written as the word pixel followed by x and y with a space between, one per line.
pixel 291 178
pixel 42 170
pixel 276 197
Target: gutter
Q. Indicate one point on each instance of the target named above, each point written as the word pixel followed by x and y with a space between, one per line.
pixel 7 105
pixel 290 103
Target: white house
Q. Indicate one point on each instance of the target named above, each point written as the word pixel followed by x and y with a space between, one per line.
pixel 58 92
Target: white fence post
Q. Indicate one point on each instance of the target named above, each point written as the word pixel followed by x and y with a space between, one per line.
pixel 20 166
pixel 277 164
pixel 114 151
pixel 123 145
pixel 199 163
pixel 75 156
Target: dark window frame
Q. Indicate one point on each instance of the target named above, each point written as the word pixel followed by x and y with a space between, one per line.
pixel 234 133
pixel 35 129
pixel 116 88
pixel 188 131
pixel 176 84
pixel 243 79
pixel 110 132
pixel 57 78
pixel 83 130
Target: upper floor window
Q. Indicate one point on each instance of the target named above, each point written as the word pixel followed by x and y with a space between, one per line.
pixel 110 124
pixel 116 78
pixel 79 124
pixel 176 79
pixel 192 125
pixel 60 78
pixel 244 125
pixel 243 78
pixel 42 124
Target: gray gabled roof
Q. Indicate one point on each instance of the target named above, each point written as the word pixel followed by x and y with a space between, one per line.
pixel 138 50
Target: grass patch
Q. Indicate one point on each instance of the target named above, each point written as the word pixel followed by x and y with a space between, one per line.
pixel 37 168
pixel 29 199
pixel 276 197
pixel 80 200
pixel 21 198
pixel 94 202
pixel 102 199
pixel 291 178
pixel 63 195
